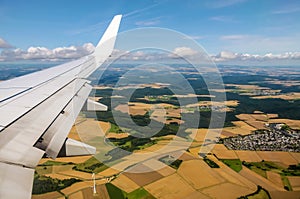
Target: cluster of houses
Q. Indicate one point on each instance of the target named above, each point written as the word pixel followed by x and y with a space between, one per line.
pixel 279 137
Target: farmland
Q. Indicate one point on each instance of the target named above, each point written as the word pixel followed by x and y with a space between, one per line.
pixel 147 168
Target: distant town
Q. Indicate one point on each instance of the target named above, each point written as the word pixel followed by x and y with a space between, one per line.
pixel 279 137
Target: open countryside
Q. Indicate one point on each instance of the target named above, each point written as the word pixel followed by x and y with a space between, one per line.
pixel 247 170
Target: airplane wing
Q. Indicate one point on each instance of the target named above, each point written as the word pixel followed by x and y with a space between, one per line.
pixel 38 111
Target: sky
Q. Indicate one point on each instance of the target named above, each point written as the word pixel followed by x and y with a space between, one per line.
pixel 229 30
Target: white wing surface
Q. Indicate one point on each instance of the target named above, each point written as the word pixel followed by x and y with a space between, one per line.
pixel 38 111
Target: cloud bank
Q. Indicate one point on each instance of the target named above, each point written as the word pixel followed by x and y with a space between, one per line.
pixel 230 56
pixel 75 52
pixel 45 54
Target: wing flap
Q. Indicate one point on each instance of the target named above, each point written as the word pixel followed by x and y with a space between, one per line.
pixel 18 138
pixel 54 137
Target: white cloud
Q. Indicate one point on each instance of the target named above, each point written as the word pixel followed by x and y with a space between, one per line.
pixel 183 52
pixel 4 44
pixel 45 54
pixel 75 52
pixel 226 56
pixel 138 55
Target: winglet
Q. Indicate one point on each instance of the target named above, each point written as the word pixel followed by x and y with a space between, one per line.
pixel 106 45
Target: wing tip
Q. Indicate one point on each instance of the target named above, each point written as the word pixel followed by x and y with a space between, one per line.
pixel 106 43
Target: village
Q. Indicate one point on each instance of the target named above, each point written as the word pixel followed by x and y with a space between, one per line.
pixel 279 137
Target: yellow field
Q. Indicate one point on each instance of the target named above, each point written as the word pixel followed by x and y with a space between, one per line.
pixel 248 156
pixel 58 176
pixel 187 156
pixel 260 117
pixel 158 166
pixel 204 176
pixel 88 193
pixel 257 120
pixel 77 174
pixel 105 126
pixel 240 128
pixel 76 159
pixel 294 124
pixel 77 195
pixel 295 182
pixel 285 83
pixel 296 156
pixel 192 95
pixel 124 183
pixel 223 153
pixel 171 112
pixel 102 192
pixel 229 191
pixel 288 96
pixel 271 116
pixel 124 108
pixel 137 108
pixel 230 175
pixel 195 151
pixel 259 180
pixel 108 172
pixel 246 87
pixel 91 128
pixel 275 178
pixel 117 135
pixel 166 171
pixel 143 179
pixel 51 195
pixel 257 124
pixel 172 187
pixel 230 103
pixel 73 134
pixel 77 187
pixel 277 156
pixel 199 134
pixel 245 116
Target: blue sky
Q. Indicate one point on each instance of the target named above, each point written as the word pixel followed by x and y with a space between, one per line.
pixel 238 26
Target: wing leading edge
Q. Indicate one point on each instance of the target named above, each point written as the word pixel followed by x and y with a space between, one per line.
pixel 38 111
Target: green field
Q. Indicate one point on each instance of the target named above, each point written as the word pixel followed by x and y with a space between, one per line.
pixel 92 165
pixel 43 184
pixel 115 128
pixel 114 192
pixel 286 183
pixel 263 166
pixel 234 164
pixel 54 163
pixel 140 193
